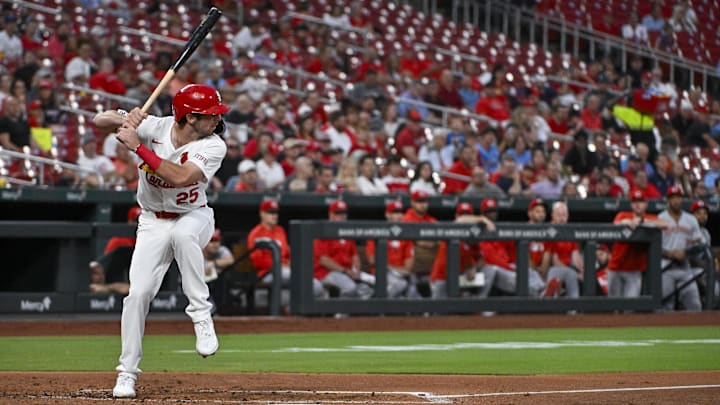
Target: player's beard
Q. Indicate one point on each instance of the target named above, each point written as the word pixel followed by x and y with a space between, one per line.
pixel 200 132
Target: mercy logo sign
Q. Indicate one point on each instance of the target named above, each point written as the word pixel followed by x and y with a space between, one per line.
pixel 103 305
pixel 36 306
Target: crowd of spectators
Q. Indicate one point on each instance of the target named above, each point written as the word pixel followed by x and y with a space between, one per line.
pixel 373 137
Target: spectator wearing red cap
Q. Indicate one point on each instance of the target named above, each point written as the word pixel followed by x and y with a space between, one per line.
pixel 681 232
pixel 268 229
pixel 409 139
pixel 400 257
pixel 629 260
pixel 700 210
pixel 36 114
pixel 336 261
pixel 463 166
pixel 109 273
pixel 470 259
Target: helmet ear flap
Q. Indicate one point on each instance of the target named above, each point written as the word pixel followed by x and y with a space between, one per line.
pixel 220 127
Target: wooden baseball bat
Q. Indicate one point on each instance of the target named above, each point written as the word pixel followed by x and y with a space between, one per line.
pixel 196 38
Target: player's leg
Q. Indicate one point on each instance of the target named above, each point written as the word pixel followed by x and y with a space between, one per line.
pixel 633 284
pixel 505 280
pixel 343 282
pixel 536 285
pixel 438 288
pixel 568 276
pixel 615 283
pixel 150 262
pixel 190 234
pixel 397 284
pixel 668 286
pixel 689 295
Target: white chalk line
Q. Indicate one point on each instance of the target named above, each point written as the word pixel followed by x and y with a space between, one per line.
pixel 589 391
pixel 476 346
pixel 424 397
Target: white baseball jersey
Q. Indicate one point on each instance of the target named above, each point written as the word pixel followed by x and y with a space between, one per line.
pixel 679 235
pixel 154 193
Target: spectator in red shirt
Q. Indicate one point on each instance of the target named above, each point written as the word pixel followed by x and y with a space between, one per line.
pixel 641 183
pixel 106 79
pixel 410 138
pixel 559 120
pixel 591 115
pixel 447 92
pixel 268 229
pixel 605 188
pixel 467 160
pixel 400 258
pixel 629 260
pixel 337 264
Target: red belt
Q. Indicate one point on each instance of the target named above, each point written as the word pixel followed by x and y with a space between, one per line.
pixel 171 215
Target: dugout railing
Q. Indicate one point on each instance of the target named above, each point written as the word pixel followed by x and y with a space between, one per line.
pixel 303 233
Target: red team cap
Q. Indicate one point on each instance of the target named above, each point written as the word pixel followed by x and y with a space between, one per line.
pixel 419 195
pixel 464 208
pixel 698 205
pixel 394 206
pixel 269 206
pixel 338 207
pixel 414 115
pixel 674 190
pixel 535 202
pixel 133 213
pixel 488 204
pixel 34 104
pixel 637 195
pixel 604 247
pixel 216 236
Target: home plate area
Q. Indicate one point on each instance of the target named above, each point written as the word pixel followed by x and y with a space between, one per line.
pixel 302 388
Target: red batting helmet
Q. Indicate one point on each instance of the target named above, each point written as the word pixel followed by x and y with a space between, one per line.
pixel 198 99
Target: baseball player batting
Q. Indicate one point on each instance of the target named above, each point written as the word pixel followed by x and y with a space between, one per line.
pixel 180 154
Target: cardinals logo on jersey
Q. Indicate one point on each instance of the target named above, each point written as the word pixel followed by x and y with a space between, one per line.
pixel 183 158
pixel 144 167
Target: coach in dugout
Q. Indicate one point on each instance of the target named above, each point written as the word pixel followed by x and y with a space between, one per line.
pixel 629 260
pixel 336 261
pixel 683 231
pixel 268 229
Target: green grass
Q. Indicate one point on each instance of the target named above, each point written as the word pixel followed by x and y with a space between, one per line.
pixel 255 353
